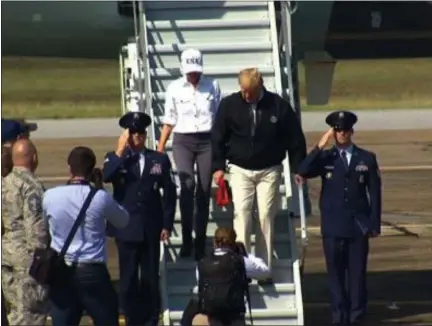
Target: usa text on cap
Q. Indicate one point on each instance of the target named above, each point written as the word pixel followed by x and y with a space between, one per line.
pixel 135 121
pixel 191 61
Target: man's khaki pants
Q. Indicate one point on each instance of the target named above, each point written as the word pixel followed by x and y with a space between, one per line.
pixel 203 320
pixel 265 185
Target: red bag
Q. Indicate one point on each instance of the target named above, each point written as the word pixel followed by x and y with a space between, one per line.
pixel 223 193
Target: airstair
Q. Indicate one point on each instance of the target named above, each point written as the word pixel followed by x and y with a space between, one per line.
pixel 232 36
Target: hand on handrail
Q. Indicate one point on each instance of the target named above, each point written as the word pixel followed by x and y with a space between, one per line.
pixel 299 180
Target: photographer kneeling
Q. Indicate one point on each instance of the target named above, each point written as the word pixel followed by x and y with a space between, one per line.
pixel 78 212
pixel 223 280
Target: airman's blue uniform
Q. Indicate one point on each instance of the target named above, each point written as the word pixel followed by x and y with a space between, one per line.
pixel 138 243
pixel 350 205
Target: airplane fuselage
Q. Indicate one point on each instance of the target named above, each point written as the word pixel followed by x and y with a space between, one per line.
pixel 98 28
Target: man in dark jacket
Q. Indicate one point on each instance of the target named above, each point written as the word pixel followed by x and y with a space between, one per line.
pixel 253 130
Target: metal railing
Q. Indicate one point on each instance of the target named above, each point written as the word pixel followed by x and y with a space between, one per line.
pixel 122 80
pixel 163 286
pixel 144 76
pixel 286 46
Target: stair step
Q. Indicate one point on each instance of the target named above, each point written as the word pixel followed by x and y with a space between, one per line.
pixel 263 317
pixel 214 47
pixel 220 71
pixel 167 5
pixel 221 216
pixel 160 96
pixel 226 220
pixel 237 53
pixel 277 296
pixel 196 10
pixel 227 77
pixel 281 246
pixel 279 238
pixel 183 272
pixel 206 24
pixel 183 264
pixel 196 35
pixel 254 288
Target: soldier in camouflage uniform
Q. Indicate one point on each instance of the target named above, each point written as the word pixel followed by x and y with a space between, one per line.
pixel 25 230
pixel 6 168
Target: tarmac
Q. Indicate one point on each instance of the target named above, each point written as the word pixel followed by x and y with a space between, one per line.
pixel 311 121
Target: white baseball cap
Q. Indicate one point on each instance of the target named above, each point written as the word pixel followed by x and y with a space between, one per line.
pixel 191 61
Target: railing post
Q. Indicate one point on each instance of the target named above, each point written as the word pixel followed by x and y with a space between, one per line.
pixel 144 76
pixel 293 94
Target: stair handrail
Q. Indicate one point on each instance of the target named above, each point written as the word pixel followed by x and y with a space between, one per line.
pixel 146 96
pixel 275 48
pixel 287 44
pixel 122 81
pixel 292 7
pixel 163 288
pixel 296 272
pixel 286 11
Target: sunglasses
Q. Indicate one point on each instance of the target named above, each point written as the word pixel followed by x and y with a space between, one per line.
pixel 342 129
pixel 136 131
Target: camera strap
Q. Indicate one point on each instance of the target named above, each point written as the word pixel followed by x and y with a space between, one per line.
pixel 78 221
pixel 247 294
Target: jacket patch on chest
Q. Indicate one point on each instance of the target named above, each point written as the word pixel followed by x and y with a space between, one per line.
pixel 361 167
pixel 156 168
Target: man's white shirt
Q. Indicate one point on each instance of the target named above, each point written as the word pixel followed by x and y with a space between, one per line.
pixel 189 109
pixel 348 151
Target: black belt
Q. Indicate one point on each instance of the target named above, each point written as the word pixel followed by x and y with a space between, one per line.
pixel 77 264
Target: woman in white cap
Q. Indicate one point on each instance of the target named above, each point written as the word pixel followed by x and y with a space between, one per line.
pixel 191 102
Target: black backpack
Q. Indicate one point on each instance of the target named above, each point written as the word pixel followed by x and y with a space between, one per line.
pixel 222 286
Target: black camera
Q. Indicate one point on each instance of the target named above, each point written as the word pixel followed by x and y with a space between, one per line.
pixel 240 249
pixel 97 178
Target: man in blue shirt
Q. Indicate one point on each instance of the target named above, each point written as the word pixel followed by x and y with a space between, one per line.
pixel 350 206
pixel 138 175
pixel 86 285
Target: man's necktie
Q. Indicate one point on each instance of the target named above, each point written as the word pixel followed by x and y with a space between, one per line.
pixel 344 158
